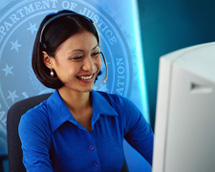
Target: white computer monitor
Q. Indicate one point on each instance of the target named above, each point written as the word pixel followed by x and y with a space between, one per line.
pixel 185 112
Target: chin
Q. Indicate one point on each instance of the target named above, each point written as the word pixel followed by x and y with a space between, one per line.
pixel 87 90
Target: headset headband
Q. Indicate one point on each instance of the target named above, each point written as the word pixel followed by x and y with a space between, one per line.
pixel 58 16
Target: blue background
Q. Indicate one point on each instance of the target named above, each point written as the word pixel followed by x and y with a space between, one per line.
pixel 16 47
pixel 169 25
pixel 165 26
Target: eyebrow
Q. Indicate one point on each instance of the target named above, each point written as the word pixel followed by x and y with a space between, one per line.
pixel 83 50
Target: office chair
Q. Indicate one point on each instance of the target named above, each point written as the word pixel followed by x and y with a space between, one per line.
pixel 13 141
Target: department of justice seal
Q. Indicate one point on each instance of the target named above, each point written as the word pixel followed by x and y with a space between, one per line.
pixel 18 26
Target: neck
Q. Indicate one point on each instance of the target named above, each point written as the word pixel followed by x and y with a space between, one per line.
pixel 77 102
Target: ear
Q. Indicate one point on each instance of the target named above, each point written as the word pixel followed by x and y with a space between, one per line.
pixel 47 60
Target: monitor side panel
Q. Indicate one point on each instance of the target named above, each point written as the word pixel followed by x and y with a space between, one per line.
pixel 190 144
pixel 165 68
pixel 184 127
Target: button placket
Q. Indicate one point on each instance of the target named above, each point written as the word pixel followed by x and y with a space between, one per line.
pixel 92 148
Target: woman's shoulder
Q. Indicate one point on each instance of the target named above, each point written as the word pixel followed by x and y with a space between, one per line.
pixel 35 116
pixel 117 101
pixel 35 124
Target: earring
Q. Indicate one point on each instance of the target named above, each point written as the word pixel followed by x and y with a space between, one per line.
pixel 51 73
pixel 105 79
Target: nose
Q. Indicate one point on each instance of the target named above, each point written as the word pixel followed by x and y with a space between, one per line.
pixel 88 64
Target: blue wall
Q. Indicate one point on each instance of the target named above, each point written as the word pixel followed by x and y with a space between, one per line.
pixel 170 25
pixel 165 26
pixel 120 42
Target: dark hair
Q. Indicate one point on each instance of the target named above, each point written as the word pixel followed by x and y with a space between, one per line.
pixel 50 36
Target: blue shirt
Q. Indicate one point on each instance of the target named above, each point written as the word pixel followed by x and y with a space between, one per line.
pixel 52 140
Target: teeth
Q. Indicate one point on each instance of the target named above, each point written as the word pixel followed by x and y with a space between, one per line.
pixel 86 77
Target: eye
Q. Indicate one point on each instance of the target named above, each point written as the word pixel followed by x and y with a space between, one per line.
pixel 95 53
pixel 77 58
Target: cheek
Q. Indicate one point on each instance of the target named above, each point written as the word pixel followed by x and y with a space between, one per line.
pixel 65 69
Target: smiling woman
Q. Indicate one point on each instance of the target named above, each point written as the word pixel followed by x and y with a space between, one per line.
pixel 77 62
pixel 77 128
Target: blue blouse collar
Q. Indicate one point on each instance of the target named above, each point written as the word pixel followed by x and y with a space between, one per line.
pixel 59 112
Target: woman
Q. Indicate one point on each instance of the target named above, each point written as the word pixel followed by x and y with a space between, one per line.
pixel 76 128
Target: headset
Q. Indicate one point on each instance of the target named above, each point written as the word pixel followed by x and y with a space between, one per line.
pixel 71 14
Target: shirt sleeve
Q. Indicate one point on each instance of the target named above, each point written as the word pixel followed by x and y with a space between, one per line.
pixel 137 131
pixel 35 138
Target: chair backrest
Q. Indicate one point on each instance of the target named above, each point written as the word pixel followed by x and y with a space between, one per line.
pixel 13 141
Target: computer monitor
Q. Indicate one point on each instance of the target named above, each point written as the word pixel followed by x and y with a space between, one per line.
pixel 185 112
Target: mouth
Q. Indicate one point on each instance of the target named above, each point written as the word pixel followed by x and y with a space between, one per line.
pixel 86 78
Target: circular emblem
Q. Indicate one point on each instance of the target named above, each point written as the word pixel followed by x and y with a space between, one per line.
pixel 18 26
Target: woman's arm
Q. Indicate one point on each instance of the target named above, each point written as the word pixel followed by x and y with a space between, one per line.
pixel 34 134
pixel 138 132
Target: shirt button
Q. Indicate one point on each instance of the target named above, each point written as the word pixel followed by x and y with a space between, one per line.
pixel 95 164
pixel 91 147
